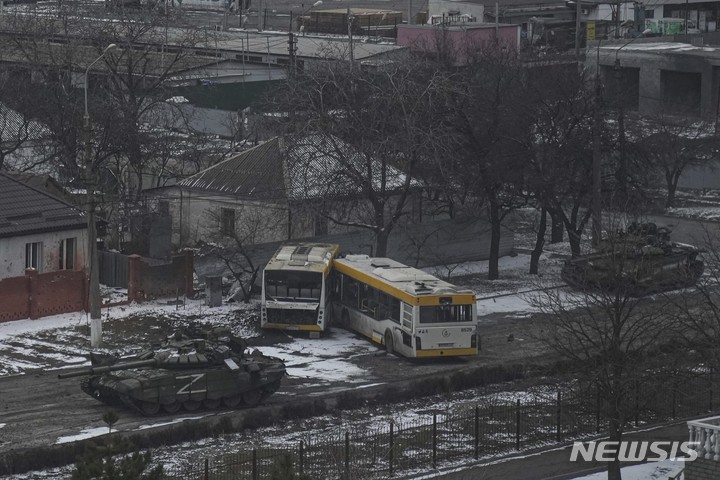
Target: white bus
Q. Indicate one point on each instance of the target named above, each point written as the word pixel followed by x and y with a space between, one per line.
pixel 295 293
pixel 411 312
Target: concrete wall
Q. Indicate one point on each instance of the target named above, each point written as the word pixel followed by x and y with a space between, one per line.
pixel 12 251
pixel 196 217
pixel 659 91
pixel 436 243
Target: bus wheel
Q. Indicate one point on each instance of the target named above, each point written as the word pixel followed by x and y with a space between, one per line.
pixel 389 344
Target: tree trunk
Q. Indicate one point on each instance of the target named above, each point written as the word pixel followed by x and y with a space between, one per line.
pixel 672 181
pixel 556 231
pixel 381 241
pixel 493 271
pixel 574 238
pixel 539 242
pixel 615 435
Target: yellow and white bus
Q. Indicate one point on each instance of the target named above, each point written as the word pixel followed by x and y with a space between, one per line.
pixel 295 293
pixel 411 312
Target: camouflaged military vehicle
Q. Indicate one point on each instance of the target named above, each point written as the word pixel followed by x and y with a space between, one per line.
pixel 197 367
pixel 641 260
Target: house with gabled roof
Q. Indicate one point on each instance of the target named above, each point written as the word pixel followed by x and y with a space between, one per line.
pixel 272 192
pixel 38 230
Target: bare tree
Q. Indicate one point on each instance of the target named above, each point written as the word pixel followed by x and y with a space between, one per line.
pixel 673 144
pixel 487 131
pixel 377 128
pixel 238 228
pixel 559 159
pixel 613 338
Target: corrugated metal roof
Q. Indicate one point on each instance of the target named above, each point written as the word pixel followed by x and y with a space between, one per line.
pixel 256 173
pixel 25 210
pixel 14 127
pixel 294 168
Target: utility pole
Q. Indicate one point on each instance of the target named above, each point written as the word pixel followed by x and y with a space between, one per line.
pixel 596 159
pixel 617 19
pixel 578 10
pixel 350 37
pixel 292 48
pixel 92 260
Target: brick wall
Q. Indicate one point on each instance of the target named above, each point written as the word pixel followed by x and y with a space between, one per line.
pixel 146 281
pixel 37 295
pixel 702 469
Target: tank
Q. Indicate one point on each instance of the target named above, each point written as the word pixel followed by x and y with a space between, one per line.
pixel 641 260
pixel 196 368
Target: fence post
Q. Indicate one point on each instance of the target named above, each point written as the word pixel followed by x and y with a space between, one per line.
pixel 392 453
pixel 517 425
pixel 207 469
pixel 710 379
pixel 134 278
pixel 347 454
pixel 434 440
pixel 597 413
pixel 559 417
pixel 637 402
pixel 302 459
pixel 254 464
pixel 674 400
pixel 477 432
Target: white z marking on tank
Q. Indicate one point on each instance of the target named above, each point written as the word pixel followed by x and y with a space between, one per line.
pixel 186 388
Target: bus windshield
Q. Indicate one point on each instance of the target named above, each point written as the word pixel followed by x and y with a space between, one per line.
pixel 446 314
pixel 289 285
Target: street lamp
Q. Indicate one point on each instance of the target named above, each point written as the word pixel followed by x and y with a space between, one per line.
pixel 92 261
pixel 302 15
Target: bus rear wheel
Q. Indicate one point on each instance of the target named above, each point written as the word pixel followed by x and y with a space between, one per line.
pixel 389 343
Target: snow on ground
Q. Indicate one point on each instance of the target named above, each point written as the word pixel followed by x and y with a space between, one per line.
pixel 701 212
pixel 89 432
pixel 325 360
pixel 646 471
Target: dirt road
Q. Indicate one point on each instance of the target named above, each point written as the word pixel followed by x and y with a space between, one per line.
pixel 37 408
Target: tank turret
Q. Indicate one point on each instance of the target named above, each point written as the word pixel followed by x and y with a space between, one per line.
pixel 641 261
pixel 213 369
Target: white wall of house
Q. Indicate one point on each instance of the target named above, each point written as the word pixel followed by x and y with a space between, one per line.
pixel 197 217
pixel 12 251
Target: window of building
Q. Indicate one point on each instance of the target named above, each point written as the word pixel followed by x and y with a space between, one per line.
pixel 33 255
pixel 227 221
pixel 67 253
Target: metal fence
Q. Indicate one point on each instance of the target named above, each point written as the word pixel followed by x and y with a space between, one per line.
pixel 485 430
pixel 113 269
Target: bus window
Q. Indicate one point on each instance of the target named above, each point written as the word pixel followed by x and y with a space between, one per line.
pixel 446 314
pixel 350 292
pixel 287 284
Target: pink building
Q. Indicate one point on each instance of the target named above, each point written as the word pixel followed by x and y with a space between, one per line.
pixel 456 40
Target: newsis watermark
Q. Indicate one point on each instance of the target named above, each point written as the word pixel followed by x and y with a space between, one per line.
pixel 633 451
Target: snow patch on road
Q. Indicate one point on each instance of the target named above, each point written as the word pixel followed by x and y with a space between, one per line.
pixel 89 432
pixel 646 471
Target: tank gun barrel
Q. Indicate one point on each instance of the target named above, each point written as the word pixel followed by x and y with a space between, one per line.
pixel 109 368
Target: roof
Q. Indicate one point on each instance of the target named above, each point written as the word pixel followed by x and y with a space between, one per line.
pixel 294 168
pixel 14 127
pixel 27 210
pixel 252 173
pixel 308 257
pixel 398 278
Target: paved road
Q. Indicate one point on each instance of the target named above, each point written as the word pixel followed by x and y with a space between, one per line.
pixel 552 464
